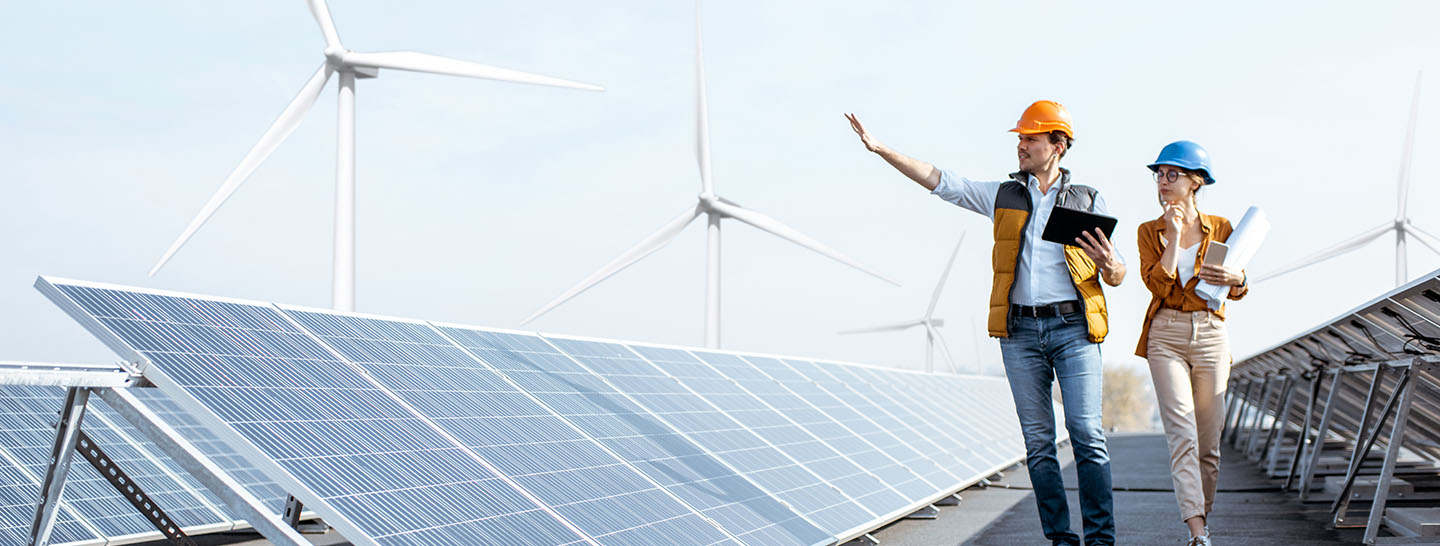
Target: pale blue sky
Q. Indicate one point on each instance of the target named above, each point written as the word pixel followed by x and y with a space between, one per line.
pixel 481 201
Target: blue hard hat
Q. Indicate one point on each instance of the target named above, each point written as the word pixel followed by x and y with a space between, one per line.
pixel 1186 155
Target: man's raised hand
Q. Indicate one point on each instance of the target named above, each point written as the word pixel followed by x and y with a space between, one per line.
pixel 865 138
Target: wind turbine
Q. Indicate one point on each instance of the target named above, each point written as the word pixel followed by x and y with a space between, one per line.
pixel 1401 225
pixel 927 321
pixel 350 65
pixel 715 209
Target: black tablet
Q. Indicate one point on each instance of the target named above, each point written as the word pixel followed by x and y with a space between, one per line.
pixel 1066 225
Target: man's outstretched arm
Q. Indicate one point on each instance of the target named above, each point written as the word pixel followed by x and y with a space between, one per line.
pixel 921 172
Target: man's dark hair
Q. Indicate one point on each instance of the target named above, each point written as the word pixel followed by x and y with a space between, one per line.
pixel 1057 137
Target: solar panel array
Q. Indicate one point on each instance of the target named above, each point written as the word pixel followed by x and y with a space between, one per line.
pixel 91 510
pixel 409 432
pixel 1368 378
pixel 1402 323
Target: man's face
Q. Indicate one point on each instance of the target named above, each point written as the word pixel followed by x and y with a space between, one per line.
pixel 1034 151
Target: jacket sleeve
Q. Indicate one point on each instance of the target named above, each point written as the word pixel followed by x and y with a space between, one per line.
pixel 1243 291
pixel 1156 279
pixel 1246 290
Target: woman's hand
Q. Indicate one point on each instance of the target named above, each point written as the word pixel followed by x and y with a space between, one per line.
pixel 1174 217
pixel 1220 275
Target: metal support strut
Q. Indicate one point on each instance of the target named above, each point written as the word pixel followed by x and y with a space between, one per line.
pixel 67 434
pixel 131 491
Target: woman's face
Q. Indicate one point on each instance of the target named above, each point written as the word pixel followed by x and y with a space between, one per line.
pixel 1173 185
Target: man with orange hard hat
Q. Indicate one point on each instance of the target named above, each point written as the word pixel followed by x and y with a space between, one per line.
pixel 1046 306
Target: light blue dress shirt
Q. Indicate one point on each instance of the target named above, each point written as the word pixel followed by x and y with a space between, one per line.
pixel 1041 277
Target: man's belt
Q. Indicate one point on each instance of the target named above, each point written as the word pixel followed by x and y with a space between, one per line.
pixel 1046 311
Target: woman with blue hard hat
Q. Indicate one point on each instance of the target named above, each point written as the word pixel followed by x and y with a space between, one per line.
pixel 1184 341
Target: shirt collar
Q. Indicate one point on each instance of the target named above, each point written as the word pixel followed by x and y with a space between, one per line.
pixel 1030 181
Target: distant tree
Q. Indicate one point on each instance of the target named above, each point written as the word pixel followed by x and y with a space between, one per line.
pixel 1129 401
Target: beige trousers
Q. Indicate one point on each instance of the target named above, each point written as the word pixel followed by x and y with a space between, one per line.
pixel 1189 356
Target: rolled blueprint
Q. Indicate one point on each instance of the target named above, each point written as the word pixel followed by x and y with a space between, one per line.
pixel 1243 243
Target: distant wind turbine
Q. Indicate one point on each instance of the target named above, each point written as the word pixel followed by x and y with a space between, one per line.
pixel 927 321
pixel 350 65
pixel 714 208
pixel 1401 225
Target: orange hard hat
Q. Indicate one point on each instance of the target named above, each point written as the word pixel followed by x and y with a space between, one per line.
pixel 1042 117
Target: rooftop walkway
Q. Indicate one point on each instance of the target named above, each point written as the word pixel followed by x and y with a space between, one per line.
pixel 1250 509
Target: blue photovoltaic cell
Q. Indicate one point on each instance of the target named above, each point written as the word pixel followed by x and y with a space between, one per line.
pixel 237 467
pixel 180 496
pixel 26 417
pixel 939 429
pixel 841 433
pixel 988 394
pixel 966 402
pixel 628 430
pixel 93 499
pixel 914 430
pixel 891 436
pixel 726 439
pixel 611 502
pixel 782 472
pixel 802 423
pixel 960 427
pixel 366 457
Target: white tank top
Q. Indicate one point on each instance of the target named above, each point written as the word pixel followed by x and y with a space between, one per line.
pixel 1186 268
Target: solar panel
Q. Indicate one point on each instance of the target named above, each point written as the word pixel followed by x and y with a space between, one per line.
pixel 951 425
pixel 982 404
pixel 930 477
pixel 801 422
pixel 407 432
pixel 351 451
pixel 665 381
pixel 237 467
pixel 606 498
pixel 26 438
pixel 638 436
pixel 802 374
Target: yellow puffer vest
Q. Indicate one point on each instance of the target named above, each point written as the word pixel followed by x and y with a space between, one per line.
pixel 1012 213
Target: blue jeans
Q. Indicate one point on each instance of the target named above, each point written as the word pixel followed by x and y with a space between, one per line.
pixel 1038 351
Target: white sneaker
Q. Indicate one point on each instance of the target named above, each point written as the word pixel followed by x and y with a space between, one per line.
pixel 1199 541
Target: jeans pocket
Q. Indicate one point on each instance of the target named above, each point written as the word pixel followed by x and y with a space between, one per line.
pixel 1073 318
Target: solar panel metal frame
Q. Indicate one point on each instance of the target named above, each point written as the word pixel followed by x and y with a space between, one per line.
pixel 312 500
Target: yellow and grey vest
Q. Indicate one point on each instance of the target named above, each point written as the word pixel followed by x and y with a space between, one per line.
pixel 1012 214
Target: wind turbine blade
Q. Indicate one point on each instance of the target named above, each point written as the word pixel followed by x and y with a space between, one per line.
pixel 652 243
pixel 415 61
pixel 1346 246
pixel 1404 182
pixel 288 121
pixel 774 227
pixel 935 299
pixel 1430 241
pixel 885 327
pixel 944 349
pixel 327 24
pixel 702 111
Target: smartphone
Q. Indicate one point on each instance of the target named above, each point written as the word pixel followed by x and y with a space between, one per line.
pixel 1216 254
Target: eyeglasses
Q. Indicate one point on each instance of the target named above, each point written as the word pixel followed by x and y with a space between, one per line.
pixel 1169 176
